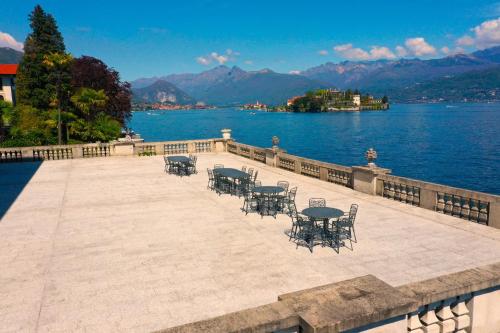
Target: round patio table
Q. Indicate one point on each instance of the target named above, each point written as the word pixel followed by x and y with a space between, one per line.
pixel 322 214
pixel 266 203
pixel 182 163
pixel 231 173
pixel 179 159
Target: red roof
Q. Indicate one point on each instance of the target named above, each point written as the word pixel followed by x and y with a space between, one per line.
pixel 8 69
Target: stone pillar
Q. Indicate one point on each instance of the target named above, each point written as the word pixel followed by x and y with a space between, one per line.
pixel 494 219
pixel 123 149
pixel 272 153
pixel 364 178
pixel 226 133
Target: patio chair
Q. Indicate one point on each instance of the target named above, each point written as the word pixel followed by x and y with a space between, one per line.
pixel 255 176
pixel 251 200
pixel 289 200
pixel 167 164
pixel 244 168
pixel 218 166
pixel 250 173
pixel 192 164
pixel 284 185
pixel 211 180
pixel 347 221
pixel 303 229
pixel 317 202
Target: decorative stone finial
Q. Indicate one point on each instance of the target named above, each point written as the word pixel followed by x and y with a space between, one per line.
pixel 226 133
pixel 371 156
pixel 276 141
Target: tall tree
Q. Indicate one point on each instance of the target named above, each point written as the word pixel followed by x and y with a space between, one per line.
pixel 93 73
pixel 35 87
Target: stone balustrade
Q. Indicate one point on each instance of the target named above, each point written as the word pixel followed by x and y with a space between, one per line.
pixel 468 205
pixel 466 301
pixel 472 206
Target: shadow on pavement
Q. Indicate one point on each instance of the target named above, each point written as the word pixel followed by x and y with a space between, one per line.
pixel 13 178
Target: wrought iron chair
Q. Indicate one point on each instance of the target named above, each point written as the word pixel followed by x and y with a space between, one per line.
pixel 255 176
pixel 303 229
pixel 283 184
pixel 250 173
pixel 250 202
pixel 289 200
pixel 281 198
pixel 211 180
pixel 244 168
pixel 192 164
pixel 317 202
pixel 347 222
pixel 167 165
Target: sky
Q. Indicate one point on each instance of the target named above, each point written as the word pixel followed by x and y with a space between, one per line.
pixel 152 38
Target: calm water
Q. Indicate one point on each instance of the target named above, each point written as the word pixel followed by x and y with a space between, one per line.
pixel 457 145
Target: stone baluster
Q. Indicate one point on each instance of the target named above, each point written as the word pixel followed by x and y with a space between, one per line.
pixel 440 202
pixel 462 317
pixel 448 205
pixel 483 213
pixel 414 323
pixel 474 210
pixel 465 213
pixel 457 206
pixel 447 319
pixel 410 195
pixel 403 195
pixel 429 319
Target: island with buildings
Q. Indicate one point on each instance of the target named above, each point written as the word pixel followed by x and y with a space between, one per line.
pixel 331 100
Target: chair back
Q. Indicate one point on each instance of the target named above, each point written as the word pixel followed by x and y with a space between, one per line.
pixel 250 172
pixel 257 183
pixel 244 168
pixel 317 202
pixel 284 185
pixel 255 175
pixel 292 193
pixel 210 174
pixel 352 213
pixel 218 166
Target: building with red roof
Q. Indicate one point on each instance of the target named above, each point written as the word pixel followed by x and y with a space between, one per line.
pixel 8 82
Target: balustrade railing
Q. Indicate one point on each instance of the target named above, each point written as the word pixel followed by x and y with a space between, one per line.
pixel 96 151
pixel 402 192
pixel 309 169
pixel 11 156
pixel 203 146
pixel 286 163
pixel 175 148
pixel 52 154
pixel 146 150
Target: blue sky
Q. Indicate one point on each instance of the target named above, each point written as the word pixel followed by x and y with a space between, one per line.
pixel 148 38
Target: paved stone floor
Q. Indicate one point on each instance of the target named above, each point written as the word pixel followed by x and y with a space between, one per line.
pixel 115 244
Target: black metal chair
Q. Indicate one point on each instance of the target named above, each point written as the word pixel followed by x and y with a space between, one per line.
pixel 192 164
pixel 211 180
pixel 289 200
pixel 255 176
pixel 303 230
pixel 317 202
pixel 347 222
pixel 167 164
pixel 250 173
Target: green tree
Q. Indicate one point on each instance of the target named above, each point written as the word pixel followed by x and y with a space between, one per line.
pixel 60 66
pixel 385 99
pixel 34 84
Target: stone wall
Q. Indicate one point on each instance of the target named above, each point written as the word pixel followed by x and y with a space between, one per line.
pixel 466 301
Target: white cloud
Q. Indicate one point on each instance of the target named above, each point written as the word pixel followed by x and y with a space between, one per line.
pixel 294 72
pixel 323 52
pixel 487 34
pixel 203 61
pixel 465 40
pixel 355 53
pixel 401 51
pixel 419 47
pixel 229 55
pixel 221 59
pixel 7 40
pixel 447 51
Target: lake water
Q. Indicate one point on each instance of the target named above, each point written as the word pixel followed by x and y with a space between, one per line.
pixel 457 145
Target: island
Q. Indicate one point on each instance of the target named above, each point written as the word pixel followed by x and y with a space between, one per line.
pixel 332 100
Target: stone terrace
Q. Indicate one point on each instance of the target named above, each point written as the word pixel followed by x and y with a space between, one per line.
pixel 115 244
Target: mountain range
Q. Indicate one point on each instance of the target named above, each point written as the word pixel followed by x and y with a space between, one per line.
pixel 10 56
pixel 223 85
